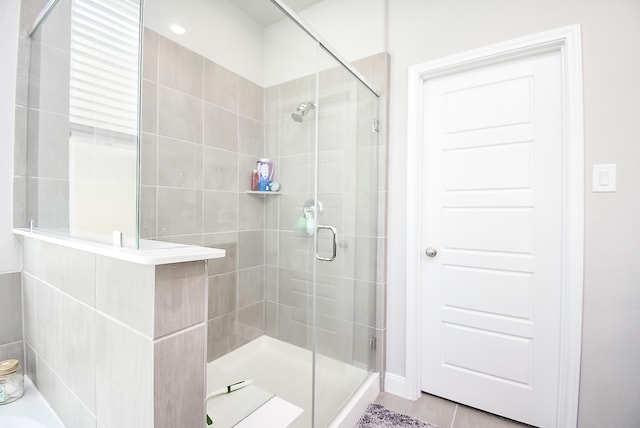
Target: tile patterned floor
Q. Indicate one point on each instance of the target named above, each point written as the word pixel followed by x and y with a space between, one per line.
pixel 444 413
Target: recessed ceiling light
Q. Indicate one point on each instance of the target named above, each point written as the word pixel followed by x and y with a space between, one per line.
pixel 178 29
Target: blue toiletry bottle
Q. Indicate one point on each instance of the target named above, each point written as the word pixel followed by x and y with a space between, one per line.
pixel 265 172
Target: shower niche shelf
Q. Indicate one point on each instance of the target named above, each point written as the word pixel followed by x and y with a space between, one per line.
pixel 261 193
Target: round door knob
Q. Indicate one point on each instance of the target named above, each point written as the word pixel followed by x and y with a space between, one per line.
pixel 431 252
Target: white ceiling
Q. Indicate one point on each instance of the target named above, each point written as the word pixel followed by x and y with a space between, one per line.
pixel 265 13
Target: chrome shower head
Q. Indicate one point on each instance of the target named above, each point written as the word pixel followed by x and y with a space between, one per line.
pixel 302 110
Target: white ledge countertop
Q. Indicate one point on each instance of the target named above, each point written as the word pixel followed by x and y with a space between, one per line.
pixel 150 253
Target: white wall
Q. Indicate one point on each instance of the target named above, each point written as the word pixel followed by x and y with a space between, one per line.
pixel 421 30
pixel 9 245
pixel 354 28
pixel 280 52
pixel 216 29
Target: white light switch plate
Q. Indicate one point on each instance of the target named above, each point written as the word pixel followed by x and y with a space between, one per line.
pixel 604 178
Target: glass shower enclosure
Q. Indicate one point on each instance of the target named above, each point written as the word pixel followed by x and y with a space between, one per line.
pixel 145 124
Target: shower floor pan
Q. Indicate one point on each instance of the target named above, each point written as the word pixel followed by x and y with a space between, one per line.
pixel 282 383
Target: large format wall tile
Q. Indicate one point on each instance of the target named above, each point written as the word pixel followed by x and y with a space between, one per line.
pixel 40 259
pixel 220 86
pixel 29 308
pixel 295 250
pixel 295 173
pixel 223 294
pixel 72 412
pixel 250 286
pixel 179 211
pixel 150 57
pixel 20 202
pixel 11 314
pixel 148 211
pixel 251 323
pixel 250 212
pixel 179 164
pixel 20 142
pixel 149 158
pixel 149 111
pixel 179 68
pixel 220 211
pixel 221 336
pixel 179 387
pixel 47 145
pixel 49 79
pixel 250 137
pixel 250 249
pixel 48 324
pixel 179 115
pixel 295 288
pixel 179 296
pixel 78 274
pixel 125 291
pixel 229 243
pixel 220 127
pixel 250 99
pixel 220 169
pixel 77 345
pixel 124 376
pixel 48 202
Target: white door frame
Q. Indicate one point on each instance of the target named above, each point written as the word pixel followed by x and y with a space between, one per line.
pixel 566 40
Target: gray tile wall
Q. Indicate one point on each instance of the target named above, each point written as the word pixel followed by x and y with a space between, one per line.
pixel 204 127
pixel 350 291
pixel 202 134
pixel 11 335
pixel 103 338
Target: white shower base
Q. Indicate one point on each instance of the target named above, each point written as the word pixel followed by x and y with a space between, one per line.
pixel 285 371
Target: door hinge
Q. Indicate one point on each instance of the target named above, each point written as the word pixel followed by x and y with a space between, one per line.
pixel 373 343
pixel 375 126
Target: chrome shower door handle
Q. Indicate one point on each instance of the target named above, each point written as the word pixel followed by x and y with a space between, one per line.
pixel 335 244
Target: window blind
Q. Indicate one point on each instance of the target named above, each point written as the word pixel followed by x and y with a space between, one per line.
pixel 104 65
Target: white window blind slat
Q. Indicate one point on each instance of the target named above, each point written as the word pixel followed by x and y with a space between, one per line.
pixel 104 65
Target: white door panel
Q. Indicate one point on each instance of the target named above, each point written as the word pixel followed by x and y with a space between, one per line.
pixel 481 168
pixel 474 289
pixel 492 207
pixel 465 109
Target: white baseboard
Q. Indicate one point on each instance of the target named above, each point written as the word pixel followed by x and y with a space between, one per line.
pixel 398 385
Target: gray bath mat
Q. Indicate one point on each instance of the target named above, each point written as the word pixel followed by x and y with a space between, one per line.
pixel 376 416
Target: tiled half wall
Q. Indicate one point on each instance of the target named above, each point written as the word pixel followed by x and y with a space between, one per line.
pixel 115 344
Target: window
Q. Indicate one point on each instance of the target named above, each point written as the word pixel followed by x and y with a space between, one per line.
pixel 104 66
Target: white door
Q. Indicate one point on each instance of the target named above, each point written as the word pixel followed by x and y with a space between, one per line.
pixel 492 207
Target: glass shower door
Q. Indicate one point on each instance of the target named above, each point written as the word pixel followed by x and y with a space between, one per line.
pixel 345 288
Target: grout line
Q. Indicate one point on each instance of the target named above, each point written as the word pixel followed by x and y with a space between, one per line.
pixel 183 330
pixel 455 412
